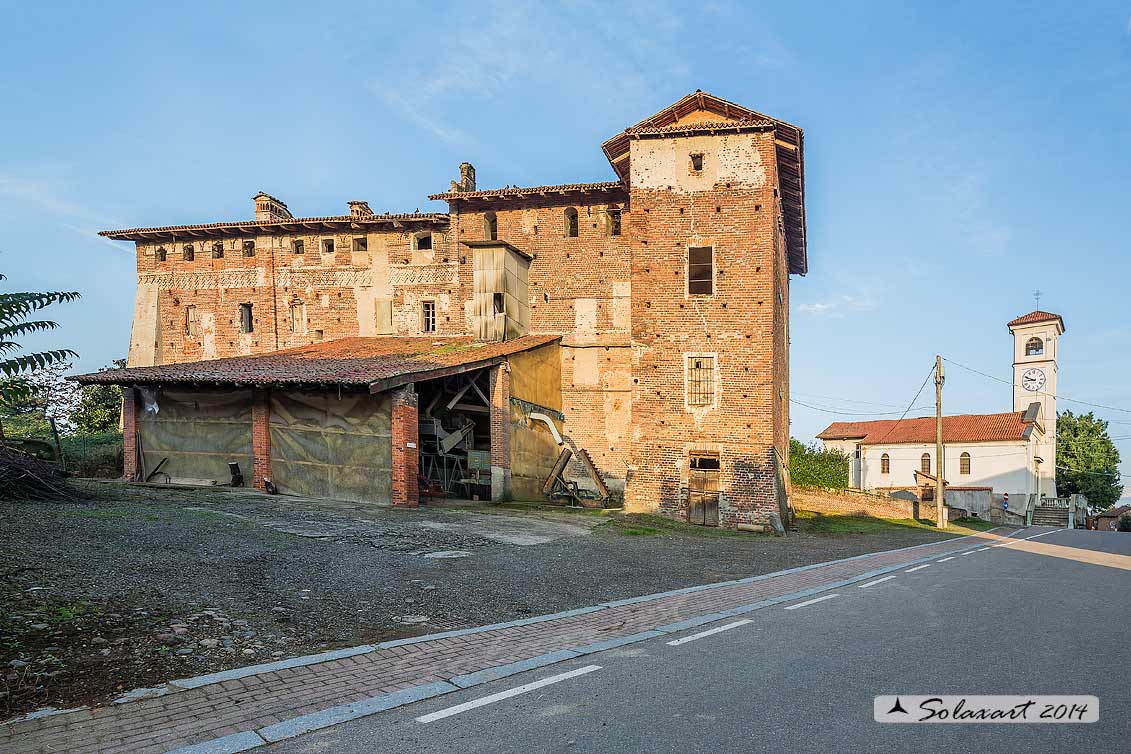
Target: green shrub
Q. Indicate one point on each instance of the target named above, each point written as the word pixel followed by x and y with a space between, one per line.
pixel 813 466
pixel 1124 523
pixel 96 455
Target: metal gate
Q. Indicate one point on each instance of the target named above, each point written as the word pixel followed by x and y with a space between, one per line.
pixel 703 490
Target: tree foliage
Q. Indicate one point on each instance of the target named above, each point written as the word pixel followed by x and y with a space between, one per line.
pixel 813 466
pixel 99 408
pixel 1087 461
pixel 16 312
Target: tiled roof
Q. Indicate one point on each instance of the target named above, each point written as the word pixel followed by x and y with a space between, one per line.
pixel 701 127
pixel 1036 316
pixel 351 362
pixel 233 227
pixel 964 428
pixel 1115 512
pixel 518 191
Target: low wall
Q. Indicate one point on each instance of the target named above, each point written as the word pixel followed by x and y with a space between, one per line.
pixel 856 503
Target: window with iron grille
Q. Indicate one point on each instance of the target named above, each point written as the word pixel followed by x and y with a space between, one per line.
pixel 428 316
pixel 700 380
pixel 700 270
pixel 964 463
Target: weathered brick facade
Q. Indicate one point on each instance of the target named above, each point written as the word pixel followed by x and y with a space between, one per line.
pixel 130 469
pixel 260 438
pixel 609 273
pixel 405 441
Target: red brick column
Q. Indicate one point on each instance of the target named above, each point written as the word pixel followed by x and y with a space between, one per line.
pixel 130 469
pixel 500 432
pixel 260 437
pixel 406 454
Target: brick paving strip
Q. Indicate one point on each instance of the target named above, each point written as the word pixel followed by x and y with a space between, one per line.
pixel 237 710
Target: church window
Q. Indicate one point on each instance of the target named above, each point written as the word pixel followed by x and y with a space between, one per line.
pixel 885 464
pixel 571 225
pixel 964 463
pixel 700 270
pixel 1034 347
pixel 925 463
pixel 491 227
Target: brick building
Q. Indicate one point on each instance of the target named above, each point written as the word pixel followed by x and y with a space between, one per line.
pixel 661 297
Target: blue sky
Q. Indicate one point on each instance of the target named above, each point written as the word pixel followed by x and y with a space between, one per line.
pixel 957 157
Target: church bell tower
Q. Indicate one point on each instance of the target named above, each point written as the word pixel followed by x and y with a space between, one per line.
pixel 1035 344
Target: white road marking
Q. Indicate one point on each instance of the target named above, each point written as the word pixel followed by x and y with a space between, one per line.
pixel 432 717
pixel 812 602
pixel 981 549
pixel 709 632
pixel 1042 534
pixel 918 568
pixel 968 552
pixel 952 557
pixel 877 581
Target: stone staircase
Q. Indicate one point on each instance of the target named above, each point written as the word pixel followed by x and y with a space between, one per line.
pixel 1050 515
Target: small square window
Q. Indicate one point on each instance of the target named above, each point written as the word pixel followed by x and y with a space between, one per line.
pixel 697 162
pixel 423 242
pixel 327 246
pixel 700 270
pixel 249 248
pixel 428 316
pixel 360 243
pixel 298 247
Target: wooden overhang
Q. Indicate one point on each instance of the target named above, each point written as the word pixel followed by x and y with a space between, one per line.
pixel 283 226
pixel 788 139
pixel 488 244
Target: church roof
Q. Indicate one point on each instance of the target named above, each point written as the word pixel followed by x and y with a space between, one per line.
pixel 1034 317
pixel 1016 425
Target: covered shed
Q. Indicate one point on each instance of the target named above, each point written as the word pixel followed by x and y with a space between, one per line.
pixel 369 419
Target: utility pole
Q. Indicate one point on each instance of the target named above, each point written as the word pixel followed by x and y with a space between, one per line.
pixel 940 509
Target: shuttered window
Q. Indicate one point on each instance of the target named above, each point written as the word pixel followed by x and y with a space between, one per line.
pixel 700 270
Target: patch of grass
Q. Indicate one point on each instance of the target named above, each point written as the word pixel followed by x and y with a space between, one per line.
pixel 639 531
pixel 827 524
pixel 643 524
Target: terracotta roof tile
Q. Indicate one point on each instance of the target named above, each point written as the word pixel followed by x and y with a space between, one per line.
pixel 354 362
pixel 186 231
pixel 567 188
pixel 1036 316
pixel 964 428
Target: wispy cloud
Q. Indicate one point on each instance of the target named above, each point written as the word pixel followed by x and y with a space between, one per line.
pixel 49 197
pixel 840 305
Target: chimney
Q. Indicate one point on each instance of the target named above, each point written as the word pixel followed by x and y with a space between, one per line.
pixel 269 208
pixel 360 209
pixel 466 178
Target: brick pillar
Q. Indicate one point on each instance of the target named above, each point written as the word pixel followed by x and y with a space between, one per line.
pixel 406 454
pixel 260 437
pixel 130 468
pixel 500 432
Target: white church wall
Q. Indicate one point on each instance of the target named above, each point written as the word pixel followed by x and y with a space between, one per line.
pixel 1001 465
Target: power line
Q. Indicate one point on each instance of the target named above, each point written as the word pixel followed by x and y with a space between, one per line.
pixel 909 405
pixel 1038 392
pixel 851 413
pixel 847 400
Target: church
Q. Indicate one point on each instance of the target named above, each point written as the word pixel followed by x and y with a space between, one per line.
pixel 1011 453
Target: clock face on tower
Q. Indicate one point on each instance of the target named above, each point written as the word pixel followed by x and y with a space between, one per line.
pixel 1033 379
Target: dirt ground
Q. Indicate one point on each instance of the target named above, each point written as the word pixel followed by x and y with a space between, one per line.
pixel 141 585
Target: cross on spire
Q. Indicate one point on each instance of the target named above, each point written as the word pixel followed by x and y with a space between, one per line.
pixel 1037 297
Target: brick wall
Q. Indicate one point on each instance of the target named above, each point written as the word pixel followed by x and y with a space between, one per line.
pixel 260 437
pixel 851 503
pixel 742 324
pixel 500 432
pixel 129 434
pixel 405 443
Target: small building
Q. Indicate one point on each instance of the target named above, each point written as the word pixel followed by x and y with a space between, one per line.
pixel 1109 520
pixel 1012 453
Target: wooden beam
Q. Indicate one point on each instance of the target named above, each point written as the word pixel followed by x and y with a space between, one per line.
pixel 381 386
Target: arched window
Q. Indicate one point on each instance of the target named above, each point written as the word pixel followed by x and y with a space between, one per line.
pixel 1034 347
pixel 571 222
pixel 925 463
pixel 885 464
pixel 964 463
pixel 490 227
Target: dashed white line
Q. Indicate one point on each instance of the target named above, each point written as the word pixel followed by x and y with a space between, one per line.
pixel 709 632
pixel 812 602
pixel 952 557
pixel 981 549
pixel 918 568
pixel 431 717
pixel 877 581
pixel 968 552
pixel 1042 534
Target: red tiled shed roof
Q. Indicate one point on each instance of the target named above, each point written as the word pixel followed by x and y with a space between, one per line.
pixel 1036 316
pixel 963 428
pixel 376 363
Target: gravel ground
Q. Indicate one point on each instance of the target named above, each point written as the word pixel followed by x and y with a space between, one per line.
pixel 143 585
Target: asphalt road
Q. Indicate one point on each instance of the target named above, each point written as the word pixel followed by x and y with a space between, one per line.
pixel 998 621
